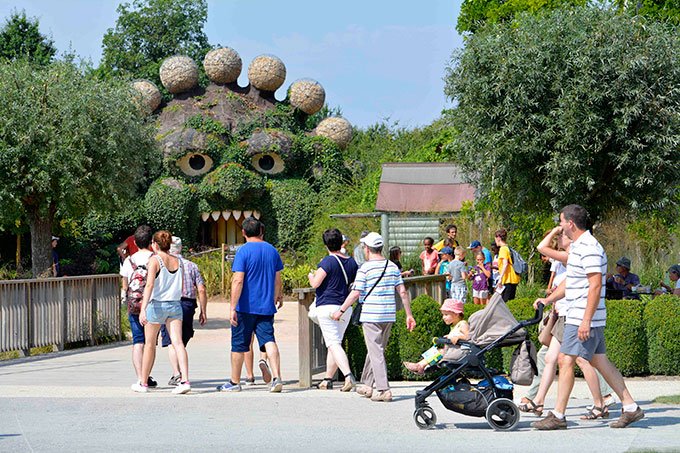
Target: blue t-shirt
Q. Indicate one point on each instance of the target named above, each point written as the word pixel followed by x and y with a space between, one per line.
pixel 333 289
pixel 260 262
pixel 443 269
pixel 488 259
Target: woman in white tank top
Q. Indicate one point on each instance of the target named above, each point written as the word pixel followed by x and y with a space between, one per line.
pixel 161 305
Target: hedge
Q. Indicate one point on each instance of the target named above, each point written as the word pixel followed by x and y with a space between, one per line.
pixel 642 337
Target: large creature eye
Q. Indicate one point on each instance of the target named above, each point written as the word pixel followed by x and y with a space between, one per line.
pixel 194 164
pixel 269 163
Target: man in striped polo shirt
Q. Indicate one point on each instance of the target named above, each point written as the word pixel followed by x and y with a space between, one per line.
pixel 584 290
pixel 375 284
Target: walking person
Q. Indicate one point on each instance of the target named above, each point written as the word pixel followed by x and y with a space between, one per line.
pixel 508 278
pixel 332 280
pixel 586 314
pixel 256 293
pixel 375 286
pixel 162 305
pixel 193 289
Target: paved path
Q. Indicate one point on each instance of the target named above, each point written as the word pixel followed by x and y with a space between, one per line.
pixel 80 401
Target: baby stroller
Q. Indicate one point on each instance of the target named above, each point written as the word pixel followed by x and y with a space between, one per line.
pixel 491 328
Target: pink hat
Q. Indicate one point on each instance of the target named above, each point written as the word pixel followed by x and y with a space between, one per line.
pixel 455 306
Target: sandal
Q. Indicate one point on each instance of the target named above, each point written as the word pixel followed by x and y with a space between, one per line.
pixel 595 413
pixel 531 407
pixel 326 384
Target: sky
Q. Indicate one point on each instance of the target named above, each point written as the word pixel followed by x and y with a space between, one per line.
pixel 377 60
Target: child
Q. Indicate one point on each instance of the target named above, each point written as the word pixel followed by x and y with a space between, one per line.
pixel 480 280
pixel 458 275
pixel 452 315
pixel 443 266
pixel 429 257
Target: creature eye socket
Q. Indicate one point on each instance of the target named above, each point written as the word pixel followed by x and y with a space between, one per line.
pixel 269 163
pixel 194 164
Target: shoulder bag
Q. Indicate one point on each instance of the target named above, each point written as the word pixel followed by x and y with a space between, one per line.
pixel 356 314
pixel 312 313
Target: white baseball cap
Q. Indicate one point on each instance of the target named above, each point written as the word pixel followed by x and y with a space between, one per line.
pixel 373 240
pixel 176 245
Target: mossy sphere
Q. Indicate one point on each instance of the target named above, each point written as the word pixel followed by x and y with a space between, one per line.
pixel 179 74
pixel 149 96
pixel 267 73
pixel 307 95
pixel 222 65
pixel 337 129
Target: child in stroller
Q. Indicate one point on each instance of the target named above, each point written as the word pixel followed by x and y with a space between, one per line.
pixel 452 315
pixel 491 328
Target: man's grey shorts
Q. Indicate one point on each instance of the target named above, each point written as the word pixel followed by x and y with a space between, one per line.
pixel 571 345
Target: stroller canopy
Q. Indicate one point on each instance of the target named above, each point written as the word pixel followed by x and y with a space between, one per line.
pixel 492 322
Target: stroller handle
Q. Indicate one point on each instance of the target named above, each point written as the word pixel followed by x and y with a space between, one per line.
pixel 537 316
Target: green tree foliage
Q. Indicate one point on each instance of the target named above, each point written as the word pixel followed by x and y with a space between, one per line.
pixel 475 13
pixel 148 31
pixel 68 145
pixel 20 38
pixel 576 106
pixel 664 10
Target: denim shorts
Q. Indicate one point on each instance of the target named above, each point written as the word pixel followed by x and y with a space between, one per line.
pixel 137 329
pixel 188 312
pixel 158 312
pixel 242 333
pixel 571 345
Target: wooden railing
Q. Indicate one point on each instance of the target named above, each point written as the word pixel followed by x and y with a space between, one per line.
pixel 57 311
pixel 311 349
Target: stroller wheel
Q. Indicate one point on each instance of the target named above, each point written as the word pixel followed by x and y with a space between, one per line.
pixel 502 414
pixel 424 417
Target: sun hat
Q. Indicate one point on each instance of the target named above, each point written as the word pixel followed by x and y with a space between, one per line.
pixel 625 262
pixel 455 306
pixel 475 244
pixel 373 240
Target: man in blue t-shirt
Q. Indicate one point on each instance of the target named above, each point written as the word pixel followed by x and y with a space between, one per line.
pixel 256 292
pixel 476 247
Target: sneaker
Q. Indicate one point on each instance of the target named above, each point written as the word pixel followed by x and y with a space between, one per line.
pixel 229 387
pixel 266 372
pixel 250 381
pixel 550 423
pixel 277 386
pixel 139 388
pixel 182 388
pixel 384 396
pixel 151 383
pixel 627 418
pixel 175 380
pixel 365 390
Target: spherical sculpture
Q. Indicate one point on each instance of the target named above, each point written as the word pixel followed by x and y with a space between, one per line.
pixel 149 95
pixel 179 74
pixel 222 65
pixel 267 73
pixel 307 95
pixel 337 129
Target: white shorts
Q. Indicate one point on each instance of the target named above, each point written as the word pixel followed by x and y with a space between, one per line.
pixel 333 331
pixel 481 294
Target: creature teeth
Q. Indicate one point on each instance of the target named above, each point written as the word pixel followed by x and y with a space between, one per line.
pixel 215 215
pixel 237 214
pixel 256 214
pixel 247 214
pixel 205 216
pixel 226 215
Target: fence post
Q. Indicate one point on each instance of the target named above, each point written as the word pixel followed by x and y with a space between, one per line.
pixel 93 312
pixel 222 268
pixel 304 338
pixel 64 317
pixel 25 352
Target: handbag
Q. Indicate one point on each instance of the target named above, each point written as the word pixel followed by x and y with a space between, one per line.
pixel 356 314
pixel 545 335
pixel 313 313
pixel 523 363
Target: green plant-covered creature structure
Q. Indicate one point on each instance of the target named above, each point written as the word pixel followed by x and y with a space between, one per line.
pixel 230 151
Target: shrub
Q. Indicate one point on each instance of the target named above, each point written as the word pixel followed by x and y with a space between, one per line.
pixel 429 324
pixel 294 203
pixel 355 347
pixel 663 331
pixel 295 276
pixel 626 338
pixel 210 266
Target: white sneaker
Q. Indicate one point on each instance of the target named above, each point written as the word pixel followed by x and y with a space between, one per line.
pixel 277 386
pixel 182 388
pixel 139 388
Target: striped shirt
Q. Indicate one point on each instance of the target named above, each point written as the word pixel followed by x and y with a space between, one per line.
pixel 380 305
pixel 586 256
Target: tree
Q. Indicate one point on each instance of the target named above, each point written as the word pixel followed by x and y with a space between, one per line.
pixel 475 13
pixel 151 30
pixel 68 144
pixel 20 38
pixel 577 106
pixel 664 10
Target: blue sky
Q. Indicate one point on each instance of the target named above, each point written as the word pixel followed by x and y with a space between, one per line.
pixel 376 60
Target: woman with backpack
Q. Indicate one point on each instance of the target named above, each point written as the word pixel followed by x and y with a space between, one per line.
pixel 332 280
pixel 162 304
pixel 508 277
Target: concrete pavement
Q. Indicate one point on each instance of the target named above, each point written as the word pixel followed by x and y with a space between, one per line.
pixel 80 401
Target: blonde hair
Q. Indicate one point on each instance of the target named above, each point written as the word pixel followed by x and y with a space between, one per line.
pixel 460 251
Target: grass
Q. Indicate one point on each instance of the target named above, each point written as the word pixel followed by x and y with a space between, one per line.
pixel 34 351
pixel 668 399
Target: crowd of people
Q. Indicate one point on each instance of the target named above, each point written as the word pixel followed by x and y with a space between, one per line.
pixel 162 290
